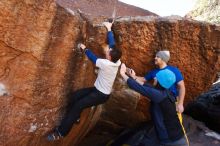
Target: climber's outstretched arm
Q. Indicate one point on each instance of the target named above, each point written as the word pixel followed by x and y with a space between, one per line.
pixel 89 53
pixel 110 35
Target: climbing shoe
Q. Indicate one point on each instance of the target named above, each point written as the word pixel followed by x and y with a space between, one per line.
pixel 55 135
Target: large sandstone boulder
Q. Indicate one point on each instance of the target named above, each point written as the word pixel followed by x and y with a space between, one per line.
pixel 40 66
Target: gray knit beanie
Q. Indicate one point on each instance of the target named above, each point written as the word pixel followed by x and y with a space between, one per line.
pixel 164 55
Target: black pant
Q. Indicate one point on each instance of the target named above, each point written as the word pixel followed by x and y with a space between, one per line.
pixel 78 101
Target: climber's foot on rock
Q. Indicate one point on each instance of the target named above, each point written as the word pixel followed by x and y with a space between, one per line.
pixel 55 135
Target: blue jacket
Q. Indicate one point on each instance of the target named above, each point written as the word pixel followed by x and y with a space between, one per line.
pixel 111 42
pixel 163 111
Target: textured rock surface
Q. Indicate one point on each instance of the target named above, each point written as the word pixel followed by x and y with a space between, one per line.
pixel 206 10
pixel 39 68
pixel 194 47
pixel 36 58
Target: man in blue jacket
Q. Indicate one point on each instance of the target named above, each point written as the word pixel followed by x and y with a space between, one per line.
pixel 161 60
pixel 177 89
pixel 171 133
pixel 99 94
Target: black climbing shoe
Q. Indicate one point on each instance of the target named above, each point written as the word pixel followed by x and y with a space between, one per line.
pixel 55 135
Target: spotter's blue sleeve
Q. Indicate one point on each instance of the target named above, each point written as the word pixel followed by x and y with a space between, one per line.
pixel 91 56
pixel 111 39
pixel 147 91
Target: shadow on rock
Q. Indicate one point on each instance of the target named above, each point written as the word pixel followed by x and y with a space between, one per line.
pixel 206 108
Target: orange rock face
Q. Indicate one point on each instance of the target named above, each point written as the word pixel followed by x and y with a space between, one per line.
pixel 194 50
pixel 185 39
pixel 39 67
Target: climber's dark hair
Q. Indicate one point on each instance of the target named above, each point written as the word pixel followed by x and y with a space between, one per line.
pixel 115 54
